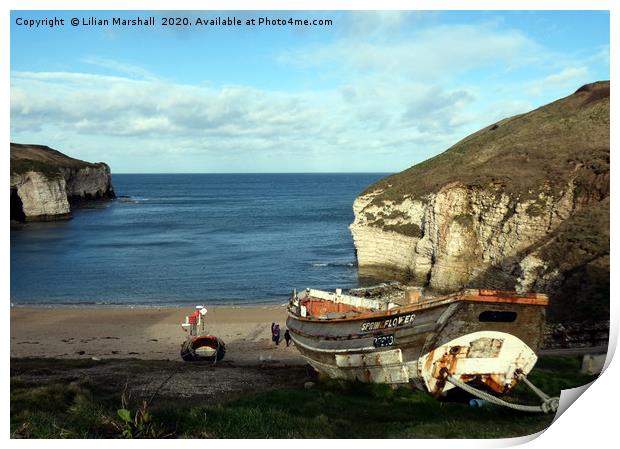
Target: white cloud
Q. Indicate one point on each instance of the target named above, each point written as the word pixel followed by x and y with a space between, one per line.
pixel 180 127
pixel 123 68
pixel 362 24
pixel 397 97
pixel 434 53
pixel 108 105
pixel 438 110
pixel 569 76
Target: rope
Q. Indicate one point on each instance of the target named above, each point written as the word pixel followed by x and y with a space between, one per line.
pixel 166 380
pixel 541 394
pixel 549 404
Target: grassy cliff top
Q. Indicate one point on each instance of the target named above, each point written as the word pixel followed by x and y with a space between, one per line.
pixel 563 140
pixel 43 159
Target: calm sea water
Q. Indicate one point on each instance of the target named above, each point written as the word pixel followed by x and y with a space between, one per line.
pixel 182 239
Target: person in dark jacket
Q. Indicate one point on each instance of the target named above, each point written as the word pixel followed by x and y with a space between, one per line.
pixel 287 337
pixel 275 333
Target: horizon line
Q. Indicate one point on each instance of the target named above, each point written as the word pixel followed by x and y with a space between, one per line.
pixel 257 173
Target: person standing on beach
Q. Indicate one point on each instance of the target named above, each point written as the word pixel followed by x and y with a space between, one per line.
pixel 275 333
pixel 287 337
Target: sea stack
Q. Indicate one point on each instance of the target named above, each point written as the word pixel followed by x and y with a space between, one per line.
pixel 522 204
pixel 45 182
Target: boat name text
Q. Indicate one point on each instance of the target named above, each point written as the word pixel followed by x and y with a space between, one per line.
pixel 396 321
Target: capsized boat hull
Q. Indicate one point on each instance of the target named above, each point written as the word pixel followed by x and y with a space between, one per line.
pixel 479 335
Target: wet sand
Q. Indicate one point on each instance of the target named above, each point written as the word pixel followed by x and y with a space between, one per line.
pixel 146 333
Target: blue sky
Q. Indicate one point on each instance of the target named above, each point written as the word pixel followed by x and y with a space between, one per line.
pixel 376 91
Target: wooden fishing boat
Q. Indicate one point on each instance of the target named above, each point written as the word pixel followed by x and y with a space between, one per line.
pixel 486 338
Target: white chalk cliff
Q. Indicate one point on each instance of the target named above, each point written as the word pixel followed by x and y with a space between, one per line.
pixel 520 205
pixel 44 182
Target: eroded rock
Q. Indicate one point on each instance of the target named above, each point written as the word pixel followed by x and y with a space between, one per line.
pixel 44 182
pixel 520 205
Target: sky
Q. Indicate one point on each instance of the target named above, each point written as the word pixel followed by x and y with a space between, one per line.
pixel 372 92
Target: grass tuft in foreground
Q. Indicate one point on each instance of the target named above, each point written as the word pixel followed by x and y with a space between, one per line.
pixel 330 410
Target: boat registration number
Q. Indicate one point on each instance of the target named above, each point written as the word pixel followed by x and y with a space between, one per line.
pixel 383 341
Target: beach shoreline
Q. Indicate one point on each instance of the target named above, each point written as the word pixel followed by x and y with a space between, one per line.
pixel 185 306
pixel 147 333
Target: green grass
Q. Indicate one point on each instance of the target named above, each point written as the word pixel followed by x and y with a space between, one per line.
pixel 58 411
pixel 23 166
pixel 330 410
pixel 42 159
pixel 521 155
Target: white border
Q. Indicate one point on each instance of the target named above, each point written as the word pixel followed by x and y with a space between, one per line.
pixel 590 421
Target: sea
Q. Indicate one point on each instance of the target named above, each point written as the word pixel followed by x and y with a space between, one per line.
pixel 188 239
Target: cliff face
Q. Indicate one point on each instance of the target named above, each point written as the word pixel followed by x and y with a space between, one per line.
pixel 33 195
pixel 44 182
pixel 90 182
pixel 520 205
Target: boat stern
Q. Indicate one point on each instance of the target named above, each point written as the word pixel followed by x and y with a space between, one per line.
pixel 495 359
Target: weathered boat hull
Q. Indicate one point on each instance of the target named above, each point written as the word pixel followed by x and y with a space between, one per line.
pixel 478 337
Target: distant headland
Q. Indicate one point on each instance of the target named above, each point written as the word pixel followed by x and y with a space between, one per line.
pixel 45 182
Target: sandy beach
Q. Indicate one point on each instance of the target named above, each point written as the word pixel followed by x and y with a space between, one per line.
pixel 145 333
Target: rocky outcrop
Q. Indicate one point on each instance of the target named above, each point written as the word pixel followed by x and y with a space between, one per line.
pixel 90 182
pixel 520 205
pixel 35 196
pixel 44 182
